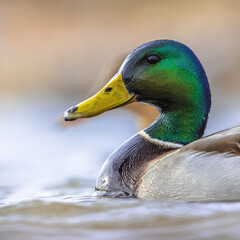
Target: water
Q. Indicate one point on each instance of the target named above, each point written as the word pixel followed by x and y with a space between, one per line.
pixel 47 177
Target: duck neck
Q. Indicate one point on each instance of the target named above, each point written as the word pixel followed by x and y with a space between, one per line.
pixel 177 126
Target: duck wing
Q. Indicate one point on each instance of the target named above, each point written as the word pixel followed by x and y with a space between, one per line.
pixel 202 171
pixel 227 141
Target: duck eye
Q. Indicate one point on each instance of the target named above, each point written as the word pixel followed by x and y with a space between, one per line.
pixel 152 59
pixel 109 89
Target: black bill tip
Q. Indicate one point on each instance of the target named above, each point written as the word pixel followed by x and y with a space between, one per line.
pixel 68 112
pixel 72 109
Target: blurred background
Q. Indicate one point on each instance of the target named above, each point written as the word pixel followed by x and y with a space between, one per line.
pixel 55 53
pixel 61 46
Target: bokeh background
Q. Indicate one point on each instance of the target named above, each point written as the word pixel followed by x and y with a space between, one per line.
pixel 55 53
pixel 61 46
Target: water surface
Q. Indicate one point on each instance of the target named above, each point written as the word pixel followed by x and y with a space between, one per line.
pixel 47 177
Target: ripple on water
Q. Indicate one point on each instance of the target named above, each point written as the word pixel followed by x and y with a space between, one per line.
pixel 47 183
pixel 91 216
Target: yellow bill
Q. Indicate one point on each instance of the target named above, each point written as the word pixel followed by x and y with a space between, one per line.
pixel 113 95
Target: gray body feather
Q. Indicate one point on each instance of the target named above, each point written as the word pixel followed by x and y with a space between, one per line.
pixel 192 176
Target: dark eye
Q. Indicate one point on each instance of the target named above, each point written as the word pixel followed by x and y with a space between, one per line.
pixel 109 89
pixel 152 59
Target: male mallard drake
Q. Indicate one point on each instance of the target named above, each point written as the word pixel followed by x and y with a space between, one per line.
pixel 166 160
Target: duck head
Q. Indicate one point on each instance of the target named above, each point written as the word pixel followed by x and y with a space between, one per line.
pixel 163 73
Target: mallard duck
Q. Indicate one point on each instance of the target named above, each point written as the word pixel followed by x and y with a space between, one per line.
pixel 168 160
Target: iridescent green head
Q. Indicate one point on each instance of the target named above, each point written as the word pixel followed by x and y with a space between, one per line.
pixel 168 75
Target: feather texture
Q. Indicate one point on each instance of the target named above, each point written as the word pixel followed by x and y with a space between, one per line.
pixel 205 170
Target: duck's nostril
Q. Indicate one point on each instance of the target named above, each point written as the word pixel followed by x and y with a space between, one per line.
pixel 72 109
pixel 108 89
